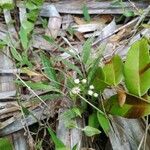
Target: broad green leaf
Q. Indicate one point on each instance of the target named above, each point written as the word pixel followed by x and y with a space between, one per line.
pixel 16 54
pixel 137 68
pixel 134 107
pixel 5 144
pixel 59 145
pixel 90 131
pixel 86 13
pixel 104 122
pixel 99 80
pixel 113 71
pixel 93 121
pixel 72 66
pixel 49 70
pixel 86 50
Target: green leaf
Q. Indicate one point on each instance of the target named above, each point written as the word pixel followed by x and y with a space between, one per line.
pixel 2 44
pixel 41 86
pixel 49 39
pixel 16 54
pixel 70 124
pixel 24 38
pixel 99 80
pixel 32 15
pixel 5 144
pixel 93 121
pixel 25 59
pixel 25 111
pixel 134 107
pixel 75 147
pixel 128 13
pixel 86 50
pixel 58 143
pixel 113 71
pixel 104 122
pixel 72 66
pixel 77 111
pixel 90 131
pixel 6 4
pixel 86 13
pixel 31 6
pixel 27 26
pixel 137 68
pixel 49 70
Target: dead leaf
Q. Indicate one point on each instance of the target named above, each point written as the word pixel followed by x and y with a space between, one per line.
pixel 121 97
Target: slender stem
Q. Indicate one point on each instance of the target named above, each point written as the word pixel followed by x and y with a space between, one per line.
pixel 91 104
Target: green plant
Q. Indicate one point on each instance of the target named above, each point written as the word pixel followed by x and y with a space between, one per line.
pixel 129 79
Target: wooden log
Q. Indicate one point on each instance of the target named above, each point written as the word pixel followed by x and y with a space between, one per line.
pixel 94 7
pixel 7 85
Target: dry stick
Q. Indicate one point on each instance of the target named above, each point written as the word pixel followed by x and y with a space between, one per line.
pixel 31 90
pixel 147 10
pixel 146 132
pixel 121 28
pixel 91 104
pixel 142 140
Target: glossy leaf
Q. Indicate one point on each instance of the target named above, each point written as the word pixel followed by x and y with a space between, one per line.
pixel 113 71
pixel 99 80
pixel 49 70
pixel 137 68
pixel 90 131
pixel 134 107
pixel 104 122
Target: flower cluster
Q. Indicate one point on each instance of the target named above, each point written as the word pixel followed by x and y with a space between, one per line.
pixel 80 84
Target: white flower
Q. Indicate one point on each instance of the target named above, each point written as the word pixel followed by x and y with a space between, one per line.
pixel 90 92
pixel 75 90
pixel 95 95
pixel 91 87
pixel 84 81
pixel 76 81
